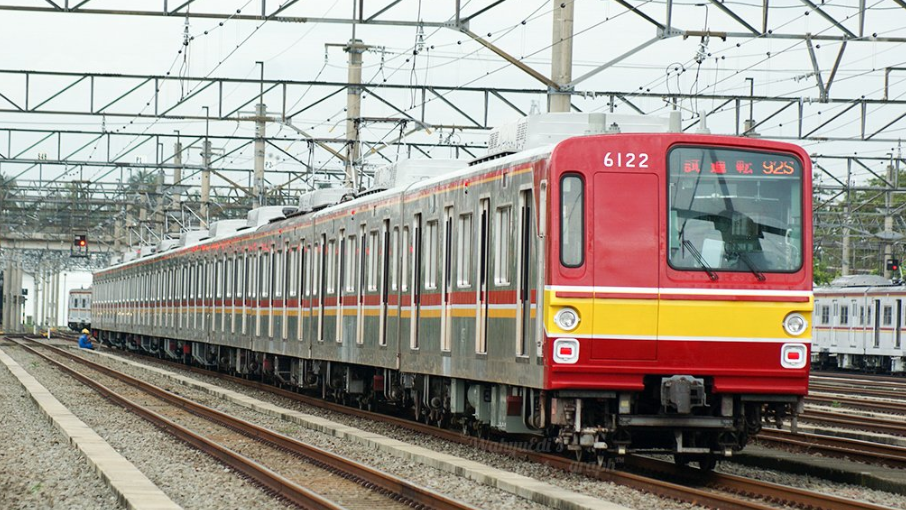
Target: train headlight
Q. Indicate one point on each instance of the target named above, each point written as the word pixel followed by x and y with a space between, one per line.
pixel 795 324
pixel 567 319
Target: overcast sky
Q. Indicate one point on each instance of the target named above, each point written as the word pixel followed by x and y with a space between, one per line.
pixel 604 30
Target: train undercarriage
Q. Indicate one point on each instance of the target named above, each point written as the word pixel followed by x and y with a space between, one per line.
pixel 676 415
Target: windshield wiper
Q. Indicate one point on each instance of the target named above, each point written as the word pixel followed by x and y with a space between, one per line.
pixel 752 267
pixel 701 260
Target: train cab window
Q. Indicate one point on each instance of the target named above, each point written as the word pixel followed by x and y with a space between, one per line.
pixel 502 246
pixel 464 251
pixel 572 220
pixel 734 210
pixel 888 315
pixel 825 314
pixel 844 315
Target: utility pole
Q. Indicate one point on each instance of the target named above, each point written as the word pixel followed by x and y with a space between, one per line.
pixel 888 218
pixel 260 134
pixel 355 48
pixel 847 221
pixel 175 196
pixel 205 183
pixel 206 173
pixel 562 55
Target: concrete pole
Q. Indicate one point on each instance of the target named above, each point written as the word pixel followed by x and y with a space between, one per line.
pixel 42 273
pixel 6 297
pixel 260 134
pixel 888 222
pixel 19 299
pixel 561 54
pixel 847 236
pixel 206 184
pixel 118 235
pixel 54 299
pixel 175 206
pixel 355 48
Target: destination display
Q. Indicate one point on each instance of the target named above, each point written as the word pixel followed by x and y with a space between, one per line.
pixel 697 161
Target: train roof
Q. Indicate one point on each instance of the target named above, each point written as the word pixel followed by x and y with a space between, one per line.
pixel 860 284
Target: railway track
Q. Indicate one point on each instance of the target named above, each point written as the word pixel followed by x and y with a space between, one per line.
pixel 894 456
pixel 302 474
pixel 689 485
pixel 866 423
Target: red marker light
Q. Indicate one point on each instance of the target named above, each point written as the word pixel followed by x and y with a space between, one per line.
pixel 565 351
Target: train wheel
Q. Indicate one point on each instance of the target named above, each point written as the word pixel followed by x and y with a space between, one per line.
pixel 707 463
pixel 606 461
pixel 681 460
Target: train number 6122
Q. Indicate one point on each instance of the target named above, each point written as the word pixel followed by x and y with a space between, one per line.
pixel 626 160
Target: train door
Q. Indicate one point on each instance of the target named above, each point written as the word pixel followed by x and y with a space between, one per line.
pixel 447 260
pixel 341 282
pixel 364 257
pixel 304 292
pixel 385 281
pixel 416 281
pixel 834 326
pixel 899 326
pixel 853 330
pixel 876 336
pixel 481 330
pixel 524 329
pixel 625 255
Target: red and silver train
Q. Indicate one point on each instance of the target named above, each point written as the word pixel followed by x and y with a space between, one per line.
pixel 642 290
pixel 79 309
pixel 859 324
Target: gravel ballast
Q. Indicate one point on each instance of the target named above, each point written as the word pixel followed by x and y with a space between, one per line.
pixel 189 477
pixel 38 466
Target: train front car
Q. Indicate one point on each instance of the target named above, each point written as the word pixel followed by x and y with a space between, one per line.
pixel 679 292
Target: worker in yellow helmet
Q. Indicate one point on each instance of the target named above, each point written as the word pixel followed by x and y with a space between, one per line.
pixel 85 340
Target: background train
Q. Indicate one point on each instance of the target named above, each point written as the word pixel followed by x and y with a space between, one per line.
pixel 615 292
pixel 79 309
pixel 859 322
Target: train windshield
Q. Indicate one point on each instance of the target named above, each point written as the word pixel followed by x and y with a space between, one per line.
pixel 734 210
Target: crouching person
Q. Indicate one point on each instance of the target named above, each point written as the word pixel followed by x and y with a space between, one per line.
pixel 85 340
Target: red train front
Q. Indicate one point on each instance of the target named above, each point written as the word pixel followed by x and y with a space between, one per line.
pixel 678 298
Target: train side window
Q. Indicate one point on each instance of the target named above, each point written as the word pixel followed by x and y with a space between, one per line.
pixel 219 279
pixel 404 271
pixel 844 315
pixel 292 273
pixel 306 276
pixel 888 315
pixel 372 253
pixel 502 246
pixel 431 260
pixel 350 270
pixel 330 263
pixel 825 314
pixel 464 251
pixel 572 221
pixel 393 255
pixel 279 266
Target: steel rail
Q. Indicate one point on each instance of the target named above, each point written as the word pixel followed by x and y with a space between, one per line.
pixel 858 403
pixel 867 423
pixel 747 486
pixel 369 477
pixel 675 491
pixel 865 451
pixel 852 390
